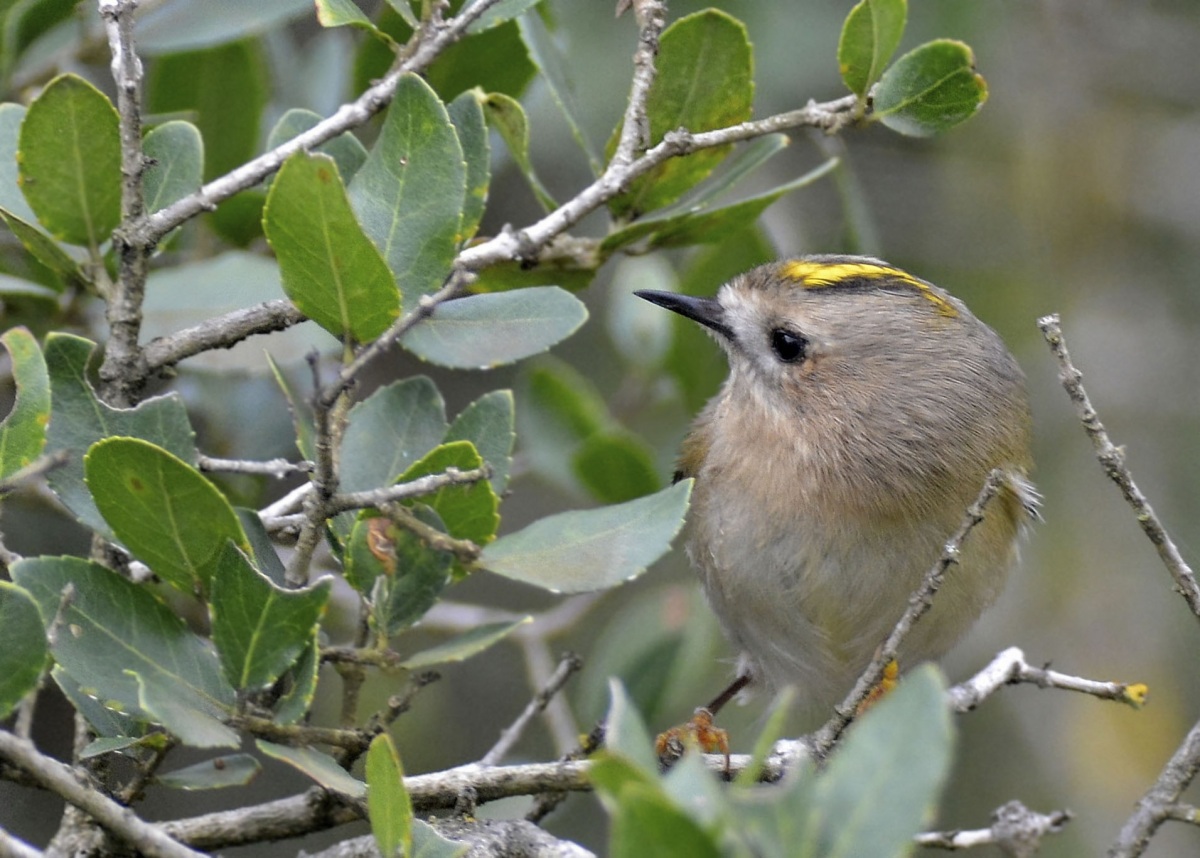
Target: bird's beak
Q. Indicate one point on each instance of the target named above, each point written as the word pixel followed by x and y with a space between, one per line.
pixel 706 311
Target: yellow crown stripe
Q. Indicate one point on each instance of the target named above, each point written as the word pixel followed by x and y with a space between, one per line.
pixel 820 275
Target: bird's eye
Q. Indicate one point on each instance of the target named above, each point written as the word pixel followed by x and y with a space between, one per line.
pixel 788 346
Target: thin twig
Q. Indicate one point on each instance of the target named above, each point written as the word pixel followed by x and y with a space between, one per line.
pixel 1112 460
pixel 324 480
pixel 147 839
pixel 13 848
pixel 378 498
pixel 1010 668
pixel 1016 830
pixel 219 332
pixel 277 468
pixel 568 665
pixel 918 604
pixel 464 550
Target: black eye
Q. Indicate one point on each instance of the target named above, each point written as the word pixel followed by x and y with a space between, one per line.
pixel 788 346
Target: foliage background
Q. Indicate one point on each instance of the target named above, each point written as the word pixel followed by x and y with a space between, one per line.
pixel 1076 189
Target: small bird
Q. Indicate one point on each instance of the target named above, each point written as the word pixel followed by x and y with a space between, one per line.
pixel 863 411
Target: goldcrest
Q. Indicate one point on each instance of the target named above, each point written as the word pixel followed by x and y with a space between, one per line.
pixel 863 411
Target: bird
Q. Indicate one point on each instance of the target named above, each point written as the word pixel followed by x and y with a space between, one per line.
pixel 863 411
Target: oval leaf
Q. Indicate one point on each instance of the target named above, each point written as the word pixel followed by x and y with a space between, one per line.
pixel 467 116
pixel 331 270
pixel 882 785
pixel 343 149
pixel 465 645
pixel 389 807
pixel 930 89
pixel 870 36
pixel 70 161
pixel 78 419
pixel 117 639
pixel 409 193
pixel 176 156
pixel 689 50
pixel 23 432
pixel 217 773
pixel 322 768
pixel 573 552
pixel 388 431
pixel 260 629
pixel 469 510
pixel 485 331
pixel 488 424
pixel 22 646
pixel 164 510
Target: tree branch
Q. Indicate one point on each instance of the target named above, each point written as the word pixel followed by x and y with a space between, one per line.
pixel 219 332
pixel 62 781
pixel 1159 802
pixel 119 372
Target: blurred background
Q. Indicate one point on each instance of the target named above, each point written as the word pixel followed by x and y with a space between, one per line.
pixel 1075 190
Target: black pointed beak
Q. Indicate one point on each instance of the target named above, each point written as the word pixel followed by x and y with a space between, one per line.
pixel 706 311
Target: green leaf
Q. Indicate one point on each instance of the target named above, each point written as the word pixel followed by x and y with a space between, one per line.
pixel 107 722
pixel 394 567
pixel 331 270
pixel 549 57
pixel 23 432
pixel 488 424
pixel 469 510
pixel 344 13
pixel 870 36
pixel 409 193
pixel 295 703
pixel 701 225
pixel 322 768
pixel 490 330
pixel 78 419
pixel 388 431
pixel 118 640
pixel 259 628
pixel 301 416
pixel 626 734
pixel 345 150
pixel 224 89
pixel 388 806
pixel 11 197
pixel 164 510
pixel 564 273
pixel 262 549
pixel 22 646
pixel 45 250
pixel 217 773
pixel 881 786
pixel 175 152
pixel 465 645
pixel 70 161
pixel 506 116
pixel 428 842
pixel 467 115
pixel 496 56
pixel 99 747
pixel 616 466
pixel 648 823
pixel 688 52
pixel 930 89
pixel 180 25
pixel 504 10
pixel 583 550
